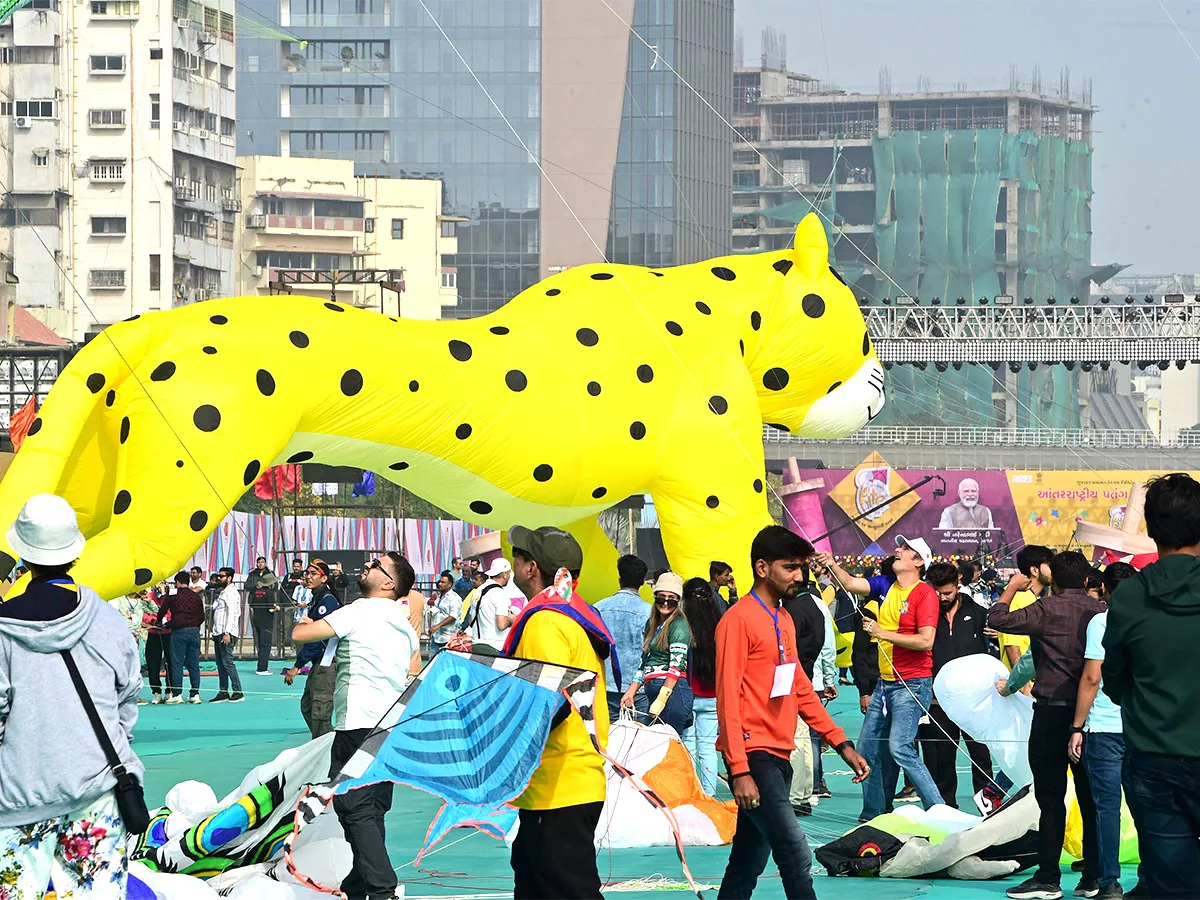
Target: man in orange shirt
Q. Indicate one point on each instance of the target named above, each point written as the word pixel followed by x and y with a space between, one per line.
pixel 761 690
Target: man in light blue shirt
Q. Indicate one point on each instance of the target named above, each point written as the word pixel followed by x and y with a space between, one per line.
pixel 624 614
pixel 1097 740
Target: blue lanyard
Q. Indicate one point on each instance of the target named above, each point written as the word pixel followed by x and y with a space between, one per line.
pixel 774 614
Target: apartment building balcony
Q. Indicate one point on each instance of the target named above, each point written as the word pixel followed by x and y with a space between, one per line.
pixel 289 224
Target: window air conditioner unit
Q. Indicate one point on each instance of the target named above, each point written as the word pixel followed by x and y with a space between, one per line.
pixel 256 221
pixel 369 225
pixel 179 126
pixel 203 134
pixel 183 22
pixel 22 122
pixel 258 270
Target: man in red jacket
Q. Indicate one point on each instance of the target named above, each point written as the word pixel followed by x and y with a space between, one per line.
pixel 761 690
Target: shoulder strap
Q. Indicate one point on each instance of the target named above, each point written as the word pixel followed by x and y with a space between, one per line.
pixel 474 626
pixel 110 752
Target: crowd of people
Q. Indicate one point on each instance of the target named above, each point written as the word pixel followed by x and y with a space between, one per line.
pixel 1108 657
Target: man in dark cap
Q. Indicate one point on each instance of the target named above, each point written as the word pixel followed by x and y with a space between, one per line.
pixel 554 853
pixel 316 704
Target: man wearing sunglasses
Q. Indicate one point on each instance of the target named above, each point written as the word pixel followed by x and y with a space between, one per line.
pixel 316 704
pixel 374 643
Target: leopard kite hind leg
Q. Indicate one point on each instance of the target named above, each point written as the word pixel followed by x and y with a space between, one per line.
pixel 598 579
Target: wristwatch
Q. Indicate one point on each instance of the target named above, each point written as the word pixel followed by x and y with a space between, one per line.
pixel 1076 729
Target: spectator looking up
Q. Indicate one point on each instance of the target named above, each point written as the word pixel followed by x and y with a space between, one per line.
pixel 494 613
pixel 720 575
pixel 1033 561
pixel 375 642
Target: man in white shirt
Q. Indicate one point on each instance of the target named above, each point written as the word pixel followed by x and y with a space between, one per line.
pixel 375 644
pixel 495 613
pixel 447 607
pixel 227 613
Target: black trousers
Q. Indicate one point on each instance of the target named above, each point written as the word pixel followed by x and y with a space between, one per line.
pixel 554 855
pixel 1048 759
pixel 361 812
pixel 264 631
pixel 941 755
pixel 158 651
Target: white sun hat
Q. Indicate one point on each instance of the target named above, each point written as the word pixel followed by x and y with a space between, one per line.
pixel 46 532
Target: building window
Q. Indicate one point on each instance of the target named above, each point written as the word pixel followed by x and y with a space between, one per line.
pixel 106 279
pixel 449 281
pixel 251 63
pixel 6 55
pixel 41 158
pixel 449 229
pixel 155 110
pixel 155 272
pixel 397 229
pixel 156 53
pixel 108 226
pixel 116 9
pixel 106 65
pixel 107 170
pixel 106 118
pixel 6 108
pixel 44 55
pixel 35 109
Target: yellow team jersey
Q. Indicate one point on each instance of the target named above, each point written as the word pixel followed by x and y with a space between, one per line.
pixel 571 771
pixel 889 620
pixel 1020 641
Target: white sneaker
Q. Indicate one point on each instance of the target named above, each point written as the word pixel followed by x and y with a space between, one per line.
pixel 195 698
pixel 174 698
pixel 263 673
pixel 156 700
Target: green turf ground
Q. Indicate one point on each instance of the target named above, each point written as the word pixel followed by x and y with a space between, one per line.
pixel 219 743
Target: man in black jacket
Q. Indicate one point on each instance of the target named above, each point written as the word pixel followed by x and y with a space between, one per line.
pixel 960 633
pixel 262 594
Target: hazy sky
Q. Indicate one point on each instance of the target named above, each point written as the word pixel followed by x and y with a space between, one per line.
pixel 1146 83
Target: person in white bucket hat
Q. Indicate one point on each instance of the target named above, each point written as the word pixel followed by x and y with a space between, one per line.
pixel 55 780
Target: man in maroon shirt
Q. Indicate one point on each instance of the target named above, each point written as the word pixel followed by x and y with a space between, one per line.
pixel 187 615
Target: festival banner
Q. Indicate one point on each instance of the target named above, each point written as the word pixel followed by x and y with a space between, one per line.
pixel 985 514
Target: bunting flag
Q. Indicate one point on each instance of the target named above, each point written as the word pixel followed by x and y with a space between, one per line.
pixel 366 487
pixel 18 425
pixel 277 481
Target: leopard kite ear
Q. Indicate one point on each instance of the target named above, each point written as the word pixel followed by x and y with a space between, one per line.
pixel 811 248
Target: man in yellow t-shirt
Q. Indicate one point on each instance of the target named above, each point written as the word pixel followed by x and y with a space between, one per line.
pixel 1033 561
pixel 554 851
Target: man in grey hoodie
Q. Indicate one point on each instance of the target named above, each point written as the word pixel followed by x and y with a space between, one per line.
pixel 58 814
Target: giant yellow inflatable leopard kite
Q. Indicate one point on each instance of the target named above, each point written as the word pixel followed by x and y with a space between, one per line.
pixel 593 385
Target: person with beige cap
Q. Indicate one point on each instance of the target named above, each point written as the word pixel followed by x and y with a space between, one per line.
pixel 663 668
pixel 56 778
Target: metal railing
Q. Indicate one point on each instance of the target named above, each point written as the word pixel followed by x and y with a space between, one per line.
pixel 1099 439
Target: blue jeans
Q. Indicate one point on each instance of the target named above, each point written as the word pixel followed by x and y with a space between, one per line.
pixel 1163 793
pixel 888 742
pixel 771 829
pixel 678 711
pixel 185 650
pixel 227 672
pixel 1103 754
pixel 701 741
pixel 818 769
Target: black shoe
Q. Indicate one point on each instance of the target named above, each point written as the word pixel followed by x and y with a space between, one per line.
pixel 845 681
pixel 220 698
pixel 823 791
pixel 1111 892
pixel 802 809
pixel 1077 866
pixel 1087 887
pixel 908 795
pixel 239 697
pixel 1034 890
pixel 1138 892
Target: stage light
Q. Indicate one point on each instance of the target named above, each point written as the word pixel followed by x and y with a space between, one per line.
pixel 1001 300
pixel 1075 300
pixel 1173 298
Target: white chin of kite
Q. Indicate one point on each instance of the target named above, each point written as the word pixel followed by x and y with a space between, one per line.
pixel 849 407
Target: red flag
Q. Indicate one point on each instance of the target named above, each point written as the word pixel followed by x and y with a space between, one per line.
pixel 18 425
pixel 277 481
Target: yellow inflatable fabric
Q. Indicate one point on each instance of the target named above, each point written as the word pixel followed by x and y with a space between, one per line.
pixel 595 384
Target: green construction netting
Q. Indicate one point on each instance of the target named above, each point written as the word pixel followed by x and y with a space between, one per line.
pixel 936 205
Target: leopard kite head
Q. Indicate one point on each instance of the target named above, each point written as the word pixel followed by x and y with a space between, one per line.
pixel 813 365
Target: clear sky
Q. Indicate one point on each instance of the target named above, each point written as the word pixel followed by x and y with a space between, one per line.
pixel 1146 84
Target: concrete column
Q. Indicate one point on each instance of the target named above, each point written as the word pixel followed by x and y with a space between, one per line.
pixel 885 118
pixel 1014 116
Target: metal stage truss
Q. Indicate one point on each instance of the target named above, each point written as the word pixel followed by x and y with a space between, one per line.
pixel 1156 333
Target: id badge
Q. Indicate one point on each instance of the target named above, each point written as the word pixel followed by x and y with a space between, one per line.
pixel 785 679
